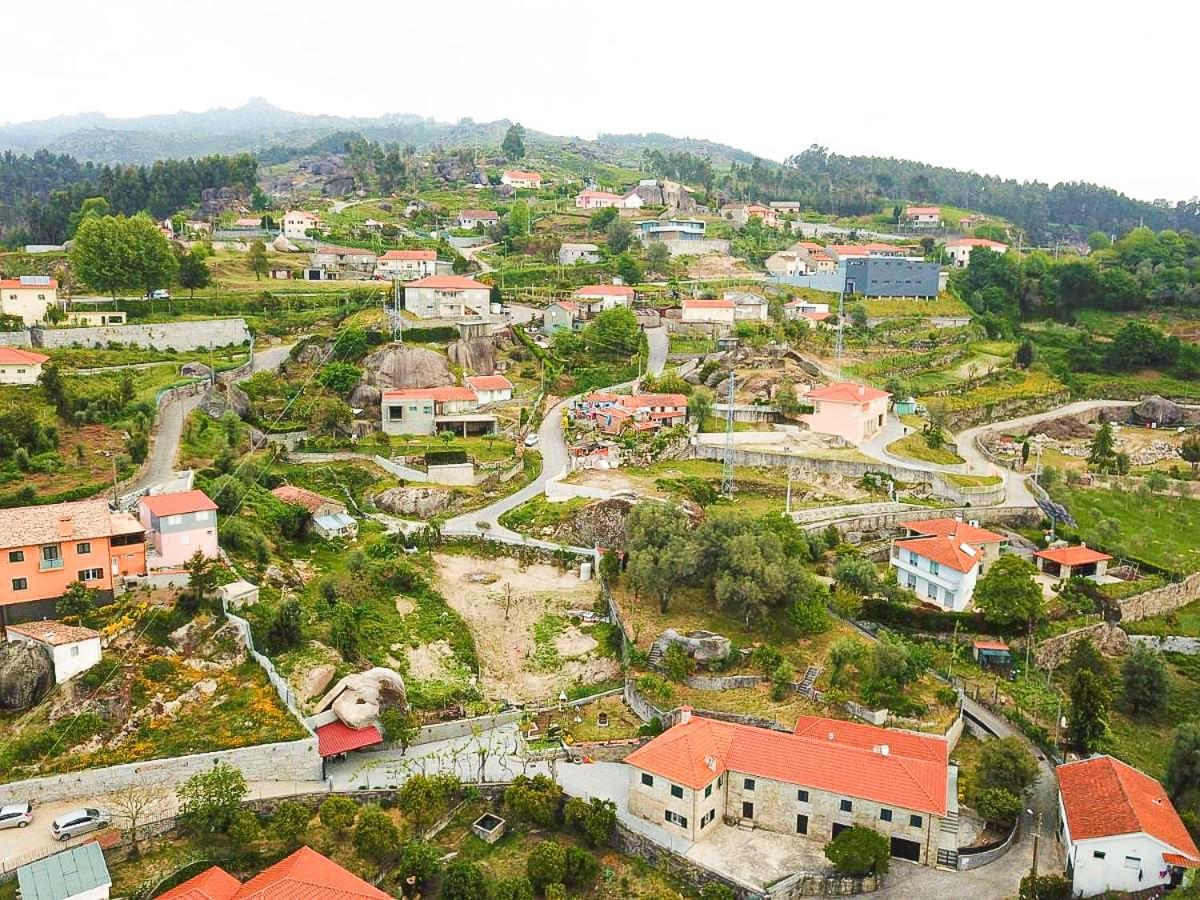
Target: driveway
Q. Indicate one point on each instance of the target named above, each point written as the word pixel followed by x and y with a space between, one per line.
pixel 656 359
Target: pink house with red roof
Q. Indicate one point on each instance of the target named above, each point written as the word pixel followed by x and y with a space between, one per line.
pixel 600 297
pixel 847 410
pixel 177 526
pixel 814 782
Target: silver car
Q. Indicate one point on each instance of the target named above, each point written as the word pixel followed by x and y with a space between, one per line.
pixel 79 821
pixel 16 815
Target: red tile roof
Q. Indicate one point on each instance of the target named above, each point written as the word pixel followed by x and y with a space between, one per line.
pixel 48 631
pixel 523 175
pixel 1103 797
pixel 177 504
pixel 944 551
pixel 976 242
pixel 568 305
pixel 338 737
pixel 479 214
pixel 448 283
pixel 702 303
pixel 489 383
pixel 989 645
pixel 18 283
pixel 15 356
pixel 605 290
pixel 1073 556
pixel 849 249
pixel 923 211
pixel 816 316
pixel 443 394
pixel 211 884
pixel 635 401
pixel 310 500
pixel 600 195
pixel 962 531
pixel 846 392
pixel 410 254
pixel 831 755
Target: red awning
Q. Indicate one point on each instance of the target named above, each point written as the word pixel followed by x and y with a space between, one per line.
pixel 337 737
pixel 1174 859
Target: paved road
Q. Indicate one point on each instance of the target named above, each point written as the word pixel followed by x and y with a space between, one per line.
pixel 656 359
pixel 470 253
pixel 893 429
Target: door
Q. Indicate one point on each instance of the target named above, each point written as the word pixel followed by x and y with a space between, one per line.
pixel 906 849
pixel 838 828
pixel 747 810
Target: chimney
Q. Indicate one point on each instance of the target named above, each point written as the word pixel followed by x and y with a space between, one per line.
pixel 862 390
pixel 685 715
pixel 884 749
pixel 65 527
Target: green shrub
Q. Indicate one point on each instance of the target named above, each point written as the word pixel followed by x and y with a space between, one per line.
pixel 859 851
pixel 546 865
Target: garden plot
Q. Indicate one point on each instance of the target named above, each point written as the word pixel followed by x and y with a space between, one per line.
pixel 532 651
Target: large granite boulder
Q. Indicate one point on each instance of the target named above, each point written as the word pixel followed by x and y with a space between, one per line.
pixel 702 646
pixel 358 699
pixel 397 366
pixel 26 674
pixel 413 501
pixel 1158 411
pixel 474 355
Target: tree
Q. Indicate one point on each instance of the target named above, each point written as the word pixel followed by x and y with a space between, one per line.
pixel 425 798
pixel 419 863
pixel 113 253
pixel 628 269
pixel 1102 455
pixel 859 851
pixel 290 822
pixel 193 272
pixel 518 221
pixel 256 259
pixel 135 803
pixel 857 574
pixel 613 334
pixel 464 880
pixel 1144 678
pixel 244 829
pixel 78 601
pixel 344 624
pixel 618 236
pixel 700 406
pixel 513 145
pixel 1189 450
pixel 1007 594
pixel 580 868
pixel 376 835
pixel 518 887
pixel 658 257
pixel 594 819
pixel 809 614
pixel 1098 240
pixel 1025 354
pixel 1183 764
pixel 858 316
pixel 54 388
pixel 533 801
pixel 208 800
pixel 610 570
pixel 337 813
pixel 1006 764
pixel 1088 721
pixel 399 726
pixel 547 864
pixel 998 807
pixel 284 632
pixel 339 377
pixel 202 581
pixel 329 415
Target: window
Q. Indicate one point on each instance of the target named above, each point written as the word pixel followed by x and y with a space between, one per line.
pixel 74 649
pixel 51 552
pixel 1133 862
pixel 708 792
pixel 708 817
pixel 675 818
pixel 885 815
pixel 747 810
pixel 846 806
pixel 802 796
pixel 912 558
pixel 915 821
pixel 1098 854
pixel 202 515
pixel 677 791
pixel 20 584
pixel 748 784
pixel 934 567
pixel 185 539
pixel 16 556
pixel 801 824
pixel 91 574
pixel 912 581
pixel 396 413
pixel 647 780
pixel 83 549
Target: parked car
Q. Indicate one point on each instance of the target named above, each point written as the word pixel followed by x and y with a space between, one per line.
pixel 161 294
pixel 16 815
pixel 531 439
pixel 79 821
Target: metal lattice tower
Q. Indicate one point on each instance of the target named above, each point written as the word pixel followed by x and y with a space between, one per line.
pixel 727 473
pixel 837 352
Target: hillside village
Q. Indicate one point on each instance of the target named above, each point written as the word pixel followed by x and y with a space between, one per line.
pixel 506 522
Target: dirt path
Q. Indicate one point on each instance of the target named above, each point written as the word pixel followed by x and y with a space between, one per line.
pixel 514 666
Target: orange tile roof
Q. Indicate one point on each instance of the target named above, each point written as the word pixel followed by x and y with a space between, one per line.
pixel 849 249
pixel 448 283
pixel 846 392
pixel 178 503
pixel 634 401
pixel 48 631
pixel 337 737
pixel 568 305
pixel 923 211
pixel 605 290
pixel 976 242
pixel 702 303
pixel 523 175
pixel 29 286
pixel 310 500
pixel 1073 556
pixel 211 884
pixel 989 645
pixel 479 214
pixel 489 383
pixel 78 521
pixel 827 754
pixel 410 254
pixel 307 875
pixel 442 394
pixel 816 316
pixel 600 195
pixel 1103 797
pixel 962 531
pixel 15 356
pixel 944 551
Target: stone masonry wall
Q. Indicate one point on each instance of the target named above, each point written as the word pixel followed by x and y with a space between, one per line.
pixel 1108 638
pixel 1160 601
pixel 175 335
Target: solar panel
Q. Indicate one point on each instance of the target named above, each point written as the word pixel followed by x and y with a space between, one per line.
pixel 36 280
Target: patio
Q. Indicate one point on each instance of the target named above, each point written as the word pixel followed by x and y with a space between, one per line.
pixel 758 857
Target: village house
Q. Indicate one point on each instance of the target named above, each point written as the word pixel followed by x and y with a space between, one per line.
pixel 177 527
pixel 406 265
pixel 73 648
pixel 922 216
pixel 787 263
pixel 297 223
pixel 705 311
pixel 1120 831
pixel 562 315
pixel 826 776
pixel 431 410
pixel 328 517
pixel 19 366
pixel 472 218
pixel 747 306
pixel 741 213
pixel 518 178
pixel 490 388
pixel 671 229
pixel 354 260
pixel 446 297
pixel 597 200
pixel 612 413
pixel 303 874
pixel 959 250
pixel 597 298
pixel 45 548
pixel 78 873
pixel 28 298
pixel 942 560
pixel 850 411
pixel 569 254
pixel 806 309
pixel 1065 562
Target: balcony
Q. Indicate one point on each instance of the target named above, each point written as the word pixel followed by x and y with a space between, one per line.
pixel 47 565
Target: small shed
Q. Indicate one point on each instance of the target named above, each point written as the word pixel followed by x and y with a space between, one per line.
pixel 237 594
pixel 75 874
pixel 335 525
pixel 73 648
pixel 991 653
pixel 905 407
pixel 336 737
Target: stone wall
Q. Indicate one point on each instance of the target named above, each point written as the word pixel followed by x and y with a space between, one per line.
pixel 986 515
pixel 1001 412
pixel 1161 601
pixel 968 861
pixel 825 513
pixel 15 339
pixel 1188 646
pixel 1108 638
pixel 297 760
pixel 673 865
pixel 176 335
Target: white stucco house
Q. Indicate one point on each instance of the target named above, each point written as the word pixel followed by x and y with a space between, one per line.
pixel 519 178
pixel 18 366
pixel 446 297
pixel 73 648
pixel 600 297
pixel 1120 831
pixel 922 216
pixel 959 250
pixel 490 388
pixel 406 264
pixel 28 297
pixel 297 222
pixel 942 559
pixel 699 311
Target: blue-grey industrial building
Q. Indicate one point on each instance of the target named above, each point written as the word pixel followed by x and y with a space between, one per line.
pixel 887 276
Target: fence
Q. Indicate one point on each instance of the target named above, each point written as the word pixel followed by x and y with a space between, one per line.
pixel 282 688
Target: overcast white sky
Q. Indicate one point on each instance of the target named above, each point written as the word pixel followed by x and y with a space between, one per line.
pixel 1053 90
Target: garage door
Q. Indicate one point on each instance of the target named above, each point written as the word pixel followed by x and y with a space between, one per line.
pixel 902 849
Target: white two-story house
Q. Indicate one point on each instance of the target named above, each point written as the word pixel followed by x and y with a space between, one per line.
pixel 937 568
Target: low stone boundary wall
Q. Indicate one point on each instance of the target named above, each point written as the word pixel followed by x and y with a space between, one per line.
pixel 808 884
pixel 675 865
pixel 159 336
pixel 825 513
pixel 986 515
pixel 15 339
pixel 1108 638
pixel 1162 600
pixel 968 860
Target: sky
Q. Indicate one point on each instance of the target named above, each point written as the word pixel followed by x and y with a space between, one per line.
pixel 1055 90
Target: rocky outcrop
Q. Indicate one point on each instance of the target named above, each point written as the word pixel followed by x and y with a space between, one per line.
pixel 358 699
pixel 226 398
pixel 474 355
pixel 1158 411
pixel 397 366
pixel 26 674
pixel 601 524
pixel 702 646
pixel 1110 640
pixel 411 501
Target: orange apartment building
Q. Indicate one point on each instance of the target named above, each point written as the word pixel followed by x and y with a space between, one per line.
pixel 45 548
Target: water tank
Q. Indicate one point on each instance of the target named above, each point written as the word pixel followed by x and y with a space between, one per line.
pixel 585 571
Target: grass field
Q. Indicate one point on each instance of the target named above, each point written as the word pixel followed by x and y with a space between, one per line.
pixel 900 307
pixel 914 446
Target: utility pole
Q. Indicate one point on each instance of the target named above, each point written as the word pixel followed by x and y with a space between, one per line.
pixel 727 473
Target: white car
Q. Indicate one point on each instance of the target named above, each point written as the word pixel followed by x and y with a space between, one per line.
pixel 16 815
pixel 161 294
pixel 79 821
pixel 531 439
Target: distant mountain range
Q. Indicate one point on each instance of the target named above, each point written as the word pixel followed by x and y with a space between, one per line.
pixel 257 125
